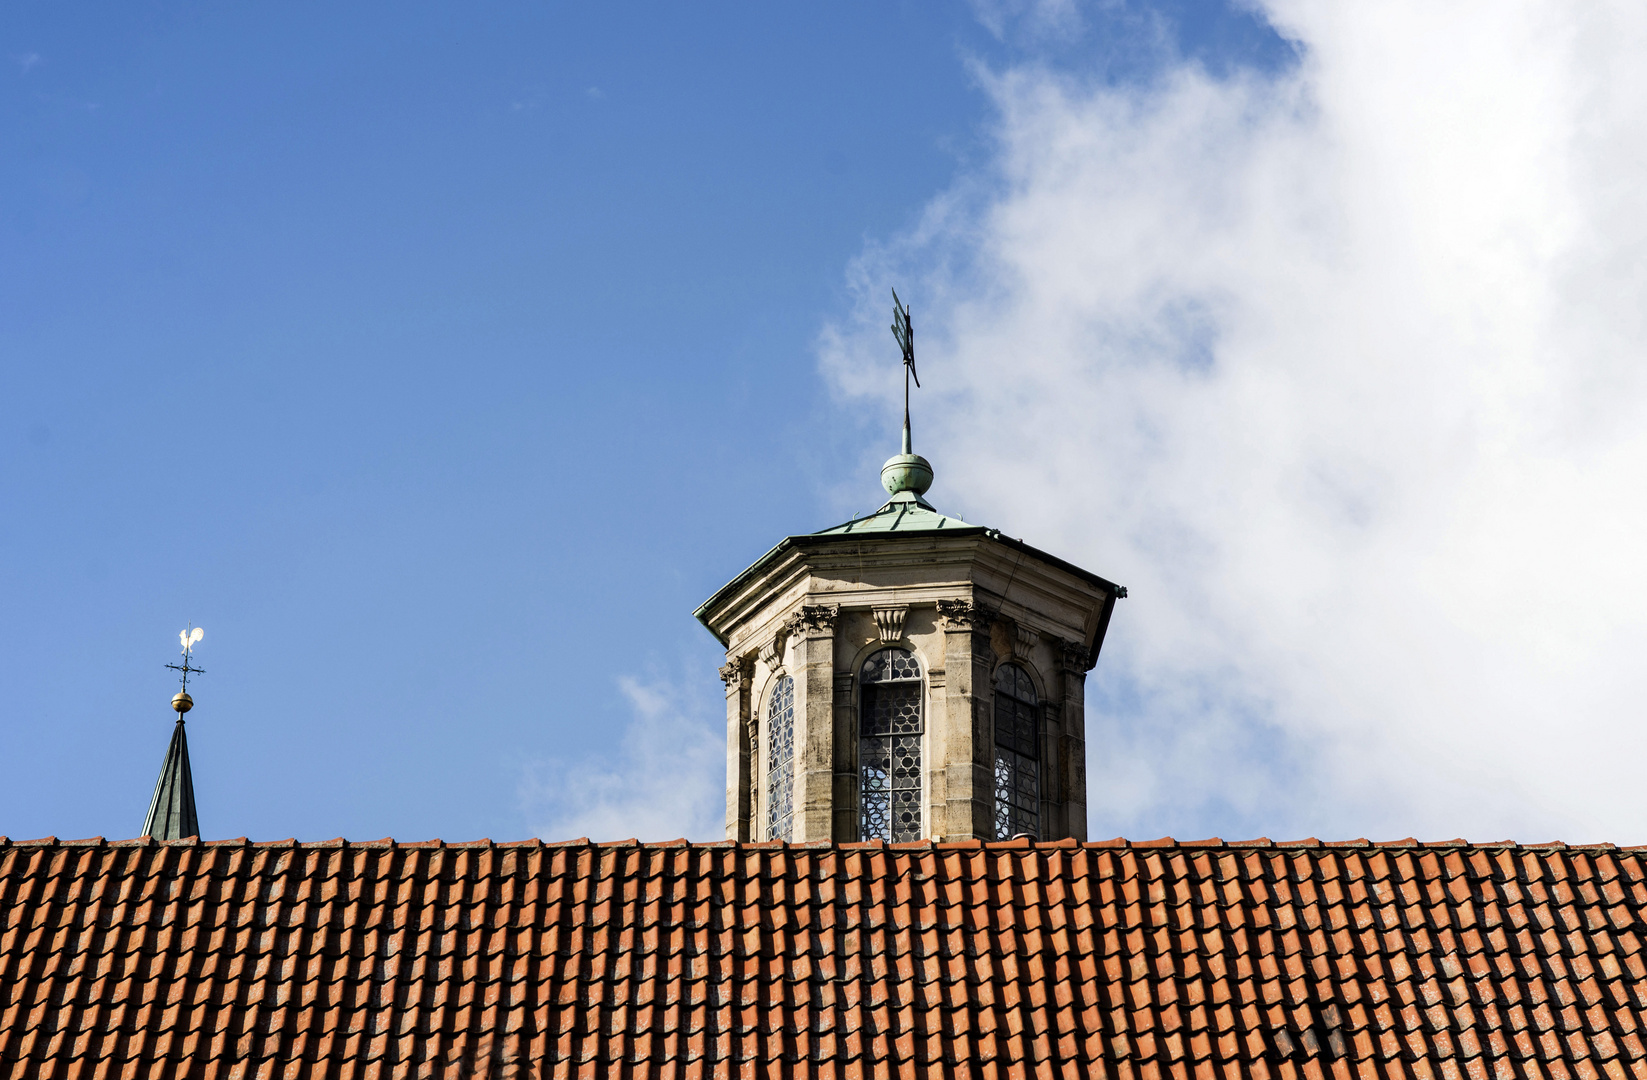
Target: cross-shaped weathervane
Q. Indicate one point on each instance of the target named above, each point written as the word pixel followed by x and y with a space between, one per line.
pixel 190 638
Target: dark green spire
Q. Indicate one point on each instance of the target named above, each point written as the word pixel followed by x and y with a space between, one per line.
pixel 171 811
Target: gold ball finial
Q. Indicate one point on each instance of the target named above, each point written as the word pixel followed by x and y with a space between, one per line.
pixel 182 702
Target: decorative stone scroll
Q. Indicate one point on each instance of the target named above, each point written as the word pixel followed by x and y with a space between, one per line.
pixel 813 620
pixel 1024 640
pixel 772 651
pixel 1011 638
pixel 890 622
pixel 957 615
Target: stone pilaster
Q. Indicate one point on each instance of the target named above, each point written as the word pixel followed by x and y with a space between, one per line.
pixel 1054 807
pixel 961 723
pixel 846 760
pixel 740 747
pixel 813 630
pixel 1072 744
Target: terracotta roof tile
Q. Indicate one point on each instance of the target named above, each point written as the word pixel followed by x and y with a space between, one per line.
pixel 1205 959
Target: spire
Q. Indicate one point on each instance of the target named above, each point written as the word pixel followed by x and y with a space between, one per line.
pixel 171 810
pixel 906 472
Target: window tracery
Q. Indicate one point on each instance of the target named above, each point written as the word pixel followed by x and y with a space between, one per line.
pixel 780 761
pixel 891 723
pixel 1017 754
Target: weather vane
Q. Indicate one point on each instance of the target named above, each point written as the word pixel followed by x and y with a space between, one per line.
pixel 904 331
pixel 190 638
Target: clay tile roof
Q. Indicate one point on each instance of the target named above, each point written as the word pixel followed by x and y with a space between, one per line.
pixel 1162 960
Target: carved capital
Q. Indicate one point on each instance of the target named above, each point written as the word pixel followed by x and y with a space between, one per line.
pixel 957 615
pixel 890 622
pixel 735 674
pixel 813 620
pixel 1071 654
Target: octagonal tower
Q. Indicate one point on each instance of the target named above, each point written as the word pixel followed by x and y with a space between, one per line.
pixel 907 675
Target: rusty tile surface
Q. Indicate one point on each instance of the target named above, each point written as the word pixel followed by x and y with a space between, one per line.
pixel 1127 961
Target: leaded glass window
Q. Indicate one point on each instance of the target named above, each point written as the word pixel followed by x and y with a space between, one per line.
pixel 1017 754
pixel 890 724
pixel 780 761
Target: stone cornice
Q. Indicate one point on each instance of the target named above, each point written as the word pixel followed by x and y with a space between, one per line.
pixel 960 561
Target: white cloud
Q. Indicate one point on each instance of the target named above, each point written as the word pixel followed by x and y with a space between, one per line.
pixel 1034 18
pixel 667 780
pixel 1340 370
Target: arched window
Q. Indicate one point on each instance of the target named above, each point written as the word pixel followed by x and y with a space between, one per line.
pixel 1017 755
pixel 780 761
pixel 889 747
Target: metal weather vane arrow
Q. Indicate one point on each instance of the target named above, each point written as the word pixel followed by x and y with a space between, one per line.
pixel 904 331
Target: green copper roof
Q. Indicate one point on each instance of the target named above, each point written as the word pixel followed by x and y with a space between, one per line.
pixel 905 512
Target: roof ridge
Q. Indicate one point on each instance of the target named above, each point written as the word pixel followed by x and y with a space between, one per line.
pixel 1019 844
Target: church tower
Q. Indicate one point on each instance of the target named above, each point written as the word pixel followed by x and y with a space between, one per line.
pixel 907 675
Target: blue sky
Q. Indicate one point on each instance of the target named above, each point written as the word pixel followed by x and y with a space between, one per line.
pixel 439 361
